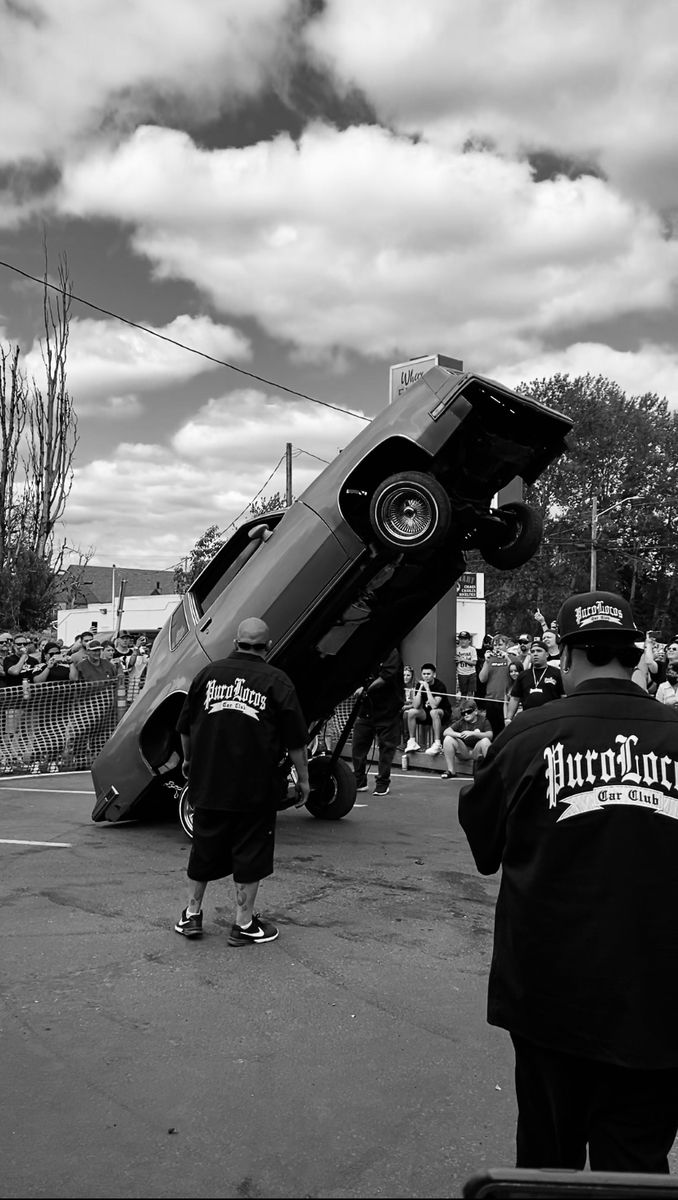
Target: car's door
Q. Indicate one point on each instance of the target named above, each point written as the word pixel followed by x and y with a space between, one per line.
pixel 286 576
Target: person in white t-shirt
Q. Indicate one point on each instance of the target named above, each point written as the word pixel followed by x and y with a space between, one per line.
pixel 466 658
pixel 667 692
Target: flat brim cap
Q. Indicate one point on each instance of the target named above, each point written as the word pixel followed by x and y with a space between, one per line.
pixel 596 615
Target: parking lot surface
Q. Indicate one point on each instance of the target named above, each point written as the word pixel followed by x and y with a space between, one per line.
pixel 351 1058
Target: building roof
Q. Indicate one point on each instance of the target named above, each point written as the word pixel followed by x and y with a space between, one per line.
pixel 93 585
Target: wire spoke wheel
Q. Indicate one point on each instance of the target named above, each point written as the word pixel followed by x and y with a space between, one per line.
pixel 409 514
pixel 411 510
pixel 186 811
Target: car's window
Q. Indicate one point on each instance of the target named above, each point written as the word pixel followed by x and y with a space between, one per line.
pixel 178 626
pixel 230 560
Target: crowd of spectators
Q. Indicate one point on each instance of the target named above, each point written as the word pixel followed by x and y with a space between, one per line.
pixel 501 676
pixel 47 722
pixel 31 658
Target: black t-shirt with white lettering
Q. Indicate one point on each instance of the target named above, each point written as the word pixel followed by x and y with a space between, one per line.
pixel 537 685
pixel 26 673
pixel 241 715
pixel 578 804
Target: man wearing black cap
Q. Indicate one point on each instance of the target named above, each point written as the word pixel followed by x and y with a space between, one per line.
pixel 539 683
pixel 239 720
pixel 577 802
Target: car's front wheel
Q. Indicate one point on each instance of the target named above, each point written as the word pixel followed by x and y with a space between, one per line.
pixel 518 538
pixel 333 788
pixel 411 511
pixel 186 811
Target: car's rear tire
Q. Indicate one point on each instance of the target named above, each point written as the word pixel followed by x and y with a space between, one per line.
pixel 411 512
pixel 186 811
pixel 524 529
pixel 333 788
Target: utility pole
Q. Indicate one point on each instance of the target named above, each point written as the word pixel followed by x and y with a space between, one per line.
pixel 594 545
pixel 288 475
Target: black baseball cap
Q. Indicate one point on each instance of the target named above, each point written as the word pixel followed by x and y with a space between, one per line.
pixel 597 615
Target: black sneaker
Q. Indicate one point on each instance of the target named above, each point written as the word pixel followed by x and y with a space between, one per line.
pixel 257 931
pixel 361 787
pixel 190 926
pixel 381 789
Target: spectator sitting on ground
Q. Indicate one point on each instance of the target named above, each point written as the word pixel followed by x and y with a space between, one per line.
pixel 466 739
pixel 430 706
pixel 54 668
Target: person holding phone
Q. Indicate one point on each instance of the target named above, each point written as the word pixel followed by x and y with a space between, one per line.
pixel 494 675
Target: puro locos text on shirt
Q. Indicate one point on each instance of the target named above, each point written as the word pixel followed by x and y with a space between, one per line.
pixel 217 693
pixel 588 780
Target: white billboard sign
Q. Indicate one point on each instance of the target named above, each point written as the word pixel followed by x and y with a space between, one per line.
pixel 403 375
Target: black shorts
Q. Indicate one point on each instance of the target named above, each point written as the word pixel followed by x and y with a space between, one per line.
pixel 232 843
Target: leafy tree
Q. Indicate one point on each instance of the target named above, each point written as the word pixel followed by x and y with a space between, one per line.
pixel 204 550
pixel 265 505
pixel 620 447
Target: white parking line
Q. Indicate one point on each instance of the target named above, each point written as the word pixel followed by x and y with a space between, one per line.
pixel 17 842
pixel 54 791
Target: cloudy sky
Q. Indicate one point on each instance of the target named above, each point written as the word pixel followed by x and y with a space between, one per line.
pixel 311 191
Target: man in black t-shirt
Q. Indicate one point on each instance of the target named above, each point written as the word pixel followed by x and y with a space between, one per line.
pixel 577 802
pixel 240 718
pixel 21 664
pixel 538 684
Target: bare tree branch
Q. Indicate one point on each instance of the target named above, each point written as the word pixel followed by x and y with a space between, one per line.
pixel 13 413
pixel 52 422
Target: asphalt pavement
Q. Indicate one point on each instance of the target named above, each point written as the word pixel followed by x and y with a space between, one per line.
pixel 350 1058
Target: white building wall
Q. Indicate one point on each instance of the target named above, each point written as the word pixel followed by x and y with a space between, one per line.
pixel 139 613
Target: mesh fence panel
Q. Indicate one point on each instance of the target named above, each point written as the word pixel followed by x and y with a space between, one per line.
pixel 55 726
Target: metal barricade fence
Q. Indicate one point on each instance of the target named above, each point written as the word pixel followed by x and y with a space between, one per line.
pixel 47 727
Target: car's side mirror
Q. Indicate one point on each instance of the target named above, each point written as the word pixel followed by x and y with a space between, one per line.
pixel 260 531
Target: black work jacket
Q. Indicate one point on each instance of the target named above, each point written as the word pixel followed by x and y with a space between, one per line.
pixel 578 803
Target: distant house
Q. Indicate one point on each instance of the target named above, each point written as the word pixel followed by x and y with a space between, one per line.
pixel 82 585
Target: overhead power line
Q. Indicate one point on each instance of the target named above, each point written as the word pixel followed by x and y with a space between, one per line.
pixel 182 345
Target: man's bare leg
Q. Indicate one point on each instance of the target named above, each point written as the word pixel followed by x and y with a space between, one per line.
pixel 245 895
pixel 197 891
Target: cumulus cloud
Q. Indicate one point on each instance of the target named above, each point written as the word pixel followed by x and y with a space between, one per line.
pixel 108 362
pixel 72 69
pixel 596 81
pixel 651 368
pixel 362 240
pixel 210 470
